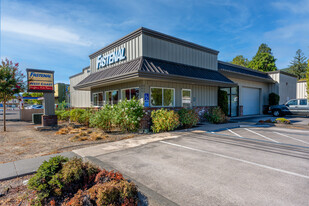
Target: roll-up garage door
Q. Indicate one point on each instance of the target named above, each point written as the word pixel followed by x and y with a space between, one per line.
pixel 250 101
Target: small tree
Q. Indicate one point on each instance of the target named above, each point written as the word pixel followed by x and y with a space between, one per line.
pixel 241 61
pixel 273 99
pixel 11 83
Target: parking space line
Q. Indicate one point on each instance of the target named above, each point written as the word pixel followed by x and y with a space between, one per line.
pixel 237 159
pixel 260 135
pixel 291 137
pixel 234 133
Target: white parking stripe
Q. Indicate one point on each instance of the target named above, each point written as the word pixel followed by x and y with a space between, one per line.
pixel 260 135
pixel 291 137
pixel 237 159
pixel 234 133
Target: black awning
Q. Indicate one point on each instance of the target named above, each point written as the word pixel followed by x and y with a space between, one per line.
pixel 145 67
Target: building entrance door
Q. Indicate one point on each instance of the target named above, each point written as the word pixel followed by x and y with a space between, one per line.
pixel 232 95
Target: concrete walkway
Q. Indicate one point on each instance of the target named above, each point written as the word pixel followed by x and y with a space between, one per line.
pixel 26 166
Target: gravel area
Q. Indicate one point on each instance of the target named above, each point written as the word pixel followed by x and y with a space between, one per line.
pixel 14 191
pixel 22 141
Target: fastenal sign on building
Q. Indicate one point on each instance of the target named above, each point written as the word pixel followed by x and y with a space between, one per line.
pixel 40 80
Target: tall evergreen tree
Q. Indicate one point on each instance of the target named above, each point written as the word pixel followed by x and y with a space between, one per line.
pixel 298 65
pixel 263 60
pixel 240 60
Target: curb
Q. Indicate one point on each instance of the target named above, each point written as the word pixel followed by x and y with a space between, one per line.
pixel 146 195
pixel 19 168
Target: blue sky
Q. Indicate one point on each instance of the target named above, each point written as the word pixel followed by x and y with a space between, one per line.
pixel 59 35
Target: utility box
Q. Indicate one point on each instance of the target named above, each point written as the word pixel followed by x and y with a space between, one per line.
pixel 37 118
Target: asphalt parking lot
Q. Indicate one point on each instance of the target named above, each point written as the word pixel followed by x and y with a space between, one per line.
pixel 242 166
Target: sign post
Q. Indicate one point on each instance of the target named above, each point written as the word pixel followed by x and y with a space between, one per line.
pixel 43 81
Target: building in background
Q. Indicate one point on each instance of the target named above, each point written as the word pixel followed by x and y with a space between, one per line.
pixel 302 89
pixel 62 93
pixel 164 71
pixel 79 98
pixel 285 85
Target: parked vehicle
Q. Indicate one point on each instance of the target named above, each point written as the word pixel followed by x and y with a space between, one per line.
pixel 35 107
pixel 292 107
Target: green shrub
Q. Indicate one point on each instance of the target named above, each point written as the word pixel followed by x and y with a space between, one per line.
pixel 84 118
pixel 40 182
pixel 63 114
pixel 114 193
pixel 164 120
pixel 273 99
pixel 75 114
pixel 223 101
pixel 103 118
pixel 188 118
pixel 216 116
pixel 128 115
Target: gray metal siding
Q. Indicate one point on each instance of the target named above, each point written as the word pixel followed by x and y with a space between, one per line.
pixel 263 87
pixel 203 95
pixel 79 98
pixel 165 50
pixel 133 50
pixel 287 88
pixel 302 90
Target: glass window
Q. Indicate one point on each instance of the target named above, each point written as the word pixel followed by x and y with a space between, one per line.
pixel 303 102
pixel 130 93
pixel 95 99
pixel 156 96
pixel 292 102
pixel 100 99
pixel 111 97
pixel 186 97
pixel 162 97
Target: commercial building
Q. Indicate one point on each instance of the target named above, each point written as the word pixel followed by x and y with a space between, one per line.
pixel 164 71
pixel 62 93
pixel 285 85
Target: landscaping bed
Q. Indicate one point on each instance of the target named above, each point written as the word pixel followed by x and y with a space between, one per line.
pixel 62 181
pixel 22 141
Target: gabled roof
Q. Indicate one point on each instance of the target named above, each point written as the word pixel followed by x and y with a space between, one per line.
pixel 239 70
pixel 155 69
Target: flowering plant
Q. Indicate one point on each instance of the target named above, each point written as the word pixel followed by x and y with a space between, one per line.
pixel 164 120
pixel 128 114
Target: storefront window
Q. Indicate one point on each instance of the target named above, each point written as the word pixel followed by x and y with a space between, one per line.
pixel 98 99
pixel 130 93
pixel 95 99
pixel 111 97
pixel 162 97
pixel 232 94
pixel 186 97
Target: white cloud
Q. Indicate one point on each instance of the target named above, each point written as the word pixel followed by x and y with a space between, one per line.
pixel 293 6
pixel 43 31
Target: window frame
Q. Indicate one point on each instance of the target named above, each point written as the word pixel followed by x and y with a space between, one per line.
pixel 303 105
pixel 190 96
pixel 162 88
pixel 122 99
pixel 297 102
pixel 97 93
pixel 111 92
